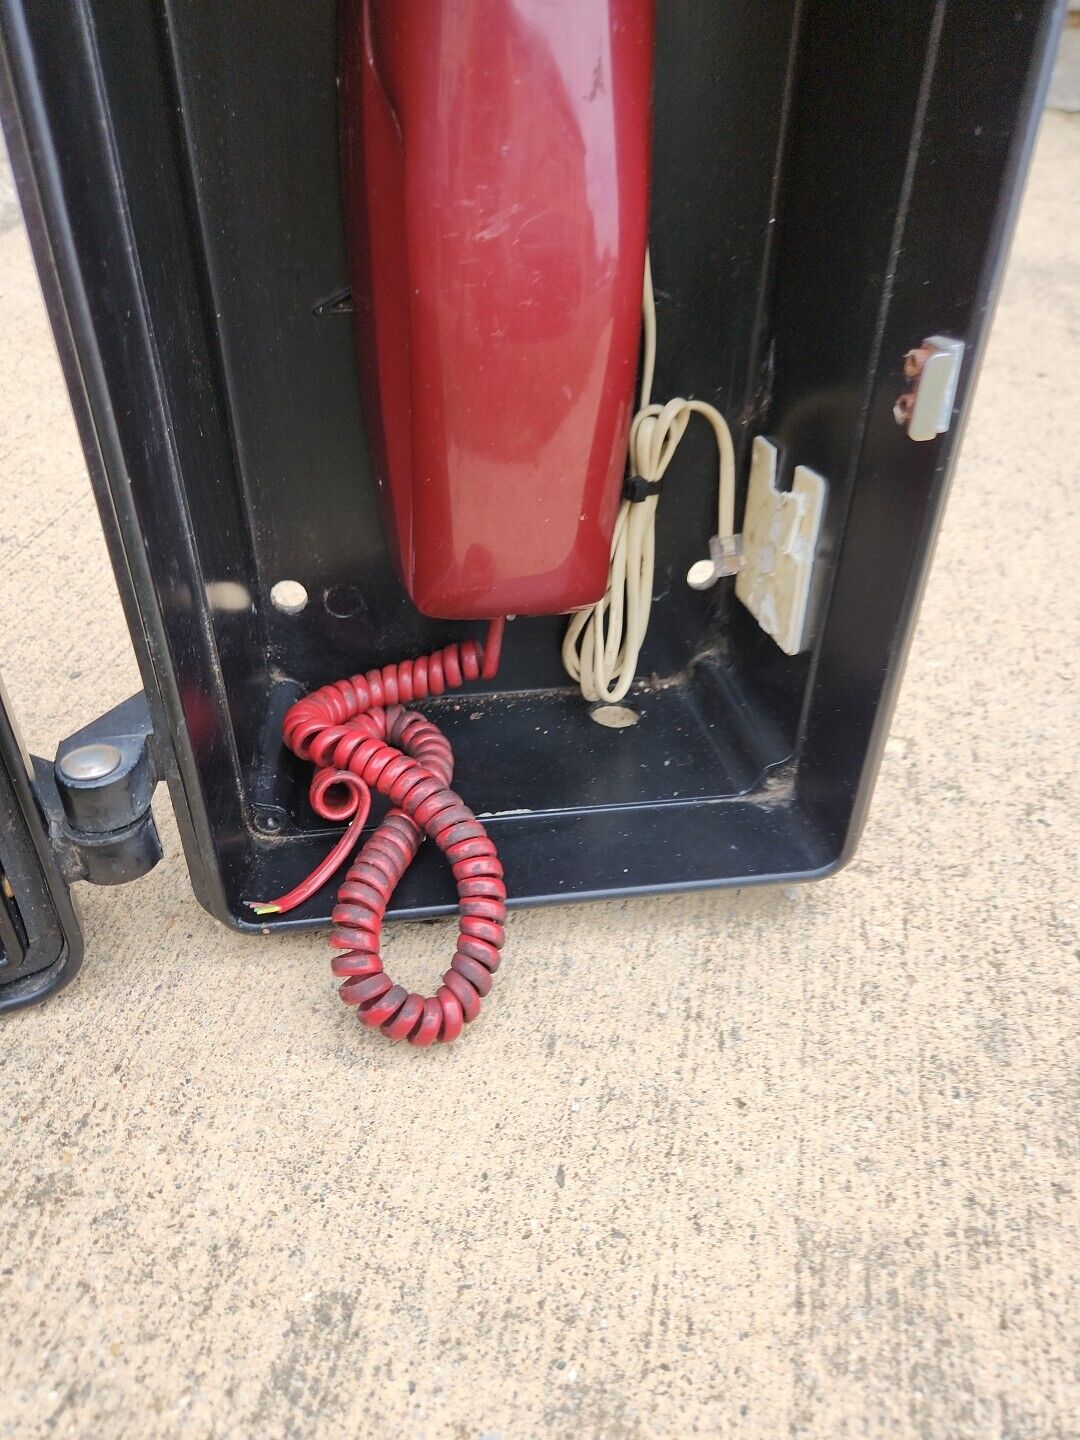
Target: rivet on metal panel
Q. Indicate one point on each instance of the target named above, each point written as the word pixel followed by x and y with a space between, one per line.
pixel 289 596
pixel 91 762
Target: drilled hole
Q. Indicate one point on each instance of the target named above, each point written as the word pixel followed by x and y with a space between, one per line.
pixel 344 601
pixel 615 717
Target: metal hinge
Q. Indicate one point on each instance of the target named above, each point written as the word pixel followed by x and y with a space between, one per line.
pixel 96 797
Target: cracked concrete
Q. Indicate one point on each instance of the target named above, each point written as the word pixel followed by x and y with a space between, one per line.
pixel 792 1163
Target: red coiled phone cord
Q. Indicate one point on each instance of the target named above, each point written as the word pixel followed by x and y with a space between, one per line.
pixel 358 735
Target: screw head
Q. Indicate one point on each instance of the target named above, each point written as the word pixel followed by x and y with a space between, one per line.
pixel 96 761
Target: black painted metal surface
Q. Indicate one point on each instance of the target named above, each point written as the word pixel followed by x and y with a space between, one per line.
pixel 40 936
pixel 832 184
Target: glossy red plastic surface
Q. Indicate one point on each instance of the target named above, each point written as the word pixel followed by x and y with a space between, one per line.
pixel 496 174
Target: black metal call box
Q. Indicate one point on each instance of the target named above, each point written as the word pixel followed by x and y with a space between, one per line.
pixel 833 189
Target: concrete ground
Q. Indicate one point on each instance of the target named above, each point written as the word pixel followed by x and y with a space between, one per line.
pixel 1065 82
pixel 790 1162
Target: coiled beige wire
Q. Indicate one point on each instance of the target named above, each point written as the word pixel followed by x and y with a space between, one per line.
pixel 603 642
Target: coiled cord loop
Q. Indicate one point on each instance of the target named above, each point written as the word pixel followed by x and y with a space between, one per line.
pixel 360 738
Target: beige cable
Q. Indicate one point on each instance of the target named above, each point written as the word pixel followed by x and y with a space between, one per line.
pixel 603 642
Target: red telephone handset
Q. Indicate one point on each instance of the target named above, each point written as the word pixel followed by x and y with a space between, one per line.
pixel 495 158
pixel 496 172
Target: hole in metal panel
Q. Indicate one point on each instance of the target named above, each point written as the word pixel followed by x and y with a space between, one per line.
pixel 615 717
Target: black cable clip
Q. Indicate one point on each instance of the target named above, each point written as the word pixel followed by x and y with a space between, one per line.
pixel 635 489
